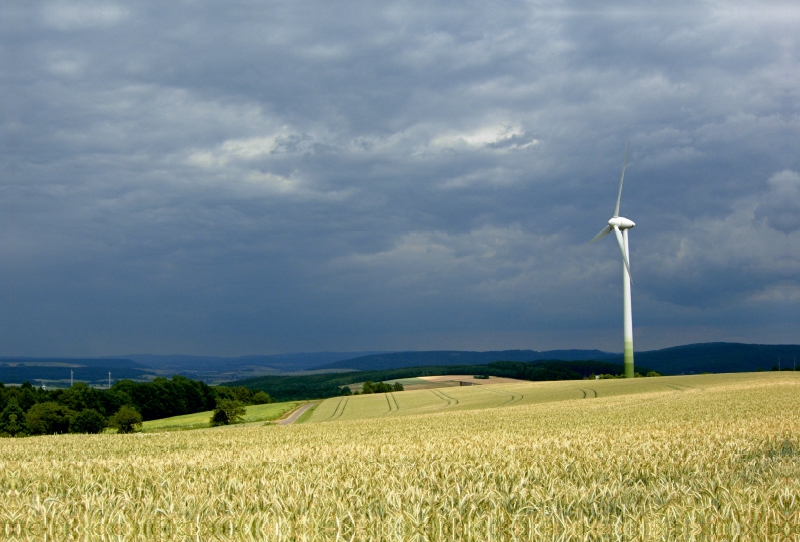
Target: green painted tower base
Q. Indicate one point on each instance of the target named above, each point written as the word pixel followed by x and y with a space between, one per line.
pixel 628 359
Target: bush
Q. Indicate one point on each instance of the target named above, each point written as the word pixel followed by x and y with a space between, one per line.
pixel 380 387
pixel 48 418
pixel 87 421
pixel 126 420
pixel 227 412
pixel 260 398
pixel 653 373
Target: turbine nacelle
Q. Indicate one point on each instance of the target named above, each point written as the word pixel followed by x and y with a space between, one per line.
pixel 621 222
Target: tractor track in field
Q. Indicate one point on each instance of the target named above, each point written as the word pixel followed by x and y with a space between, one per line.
pixel 681 387
pixel 389 398
pixel 337 412
pixel 512 397
pixel 588 393
pixel 449 396
pixel 444 397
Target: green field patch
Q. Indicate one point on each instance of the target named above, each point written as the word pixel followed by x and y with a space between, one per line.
pixel 255 413
pixel 305 416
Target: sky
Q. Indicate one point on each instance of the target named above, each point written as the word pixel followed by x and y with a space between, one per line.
pixel 258 177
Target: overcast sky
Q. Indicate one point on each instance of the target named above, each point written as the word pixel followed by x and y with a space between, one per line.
pixel 255 177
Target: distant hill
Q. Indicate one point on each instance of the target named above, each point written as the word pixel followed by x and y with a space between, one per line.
pixel 398 360
pixel 55 372
pixel 285 363
pixel 716 358
pixel 687 359
pixel 15 370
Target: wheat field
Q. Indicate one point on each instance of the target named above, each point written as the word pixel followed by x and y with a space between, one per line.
pixel 684 458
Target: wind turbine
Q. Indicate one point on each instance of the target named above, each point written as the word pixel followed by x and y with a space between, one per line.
pixel 620 225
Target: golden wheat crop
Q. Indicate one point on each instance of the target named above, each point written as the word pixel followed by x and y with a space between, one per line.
pixel 718 461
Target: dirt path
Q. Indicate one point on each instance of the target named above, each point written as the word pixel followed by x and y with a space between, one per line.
pixel 296 414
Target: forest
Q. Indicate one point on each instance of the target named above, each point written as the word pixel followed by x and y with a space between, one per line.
pixel 28 410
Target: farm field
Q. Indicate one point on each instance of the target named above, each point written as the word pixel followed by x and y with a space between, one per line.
pixel 457 379
pixel 712 457
pixel 516 392
pixel 441 381
pixel 255 413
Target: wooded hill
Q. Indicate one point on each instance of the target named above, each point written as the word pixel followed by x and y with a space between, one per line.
pixel 398 360
pixel 687 359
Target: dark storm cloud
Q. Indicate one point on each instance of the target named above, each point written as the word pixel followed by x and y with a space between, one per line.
pixel 252 178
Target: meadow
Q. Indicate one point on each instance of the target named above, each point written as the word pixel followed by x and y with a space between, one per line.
pixel 689 458
pixel 254 413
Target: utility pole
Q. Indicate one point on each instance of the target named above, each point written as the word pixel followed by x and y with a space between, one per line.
pixel 70 378
pixel 109 379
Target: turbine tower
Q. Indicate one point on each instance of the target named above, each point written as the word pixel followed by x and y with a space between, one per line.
pixel 620 225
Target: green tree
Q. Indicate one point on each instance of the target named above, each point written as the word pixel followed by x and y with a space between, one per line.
pixel 48 418
pixel 398 387
pixel 80 397
pixel 260 398
pixel 87 421
pixel 240 394
pixel 24 395
pixel 228 412
pixel 12 419
pixel 126 420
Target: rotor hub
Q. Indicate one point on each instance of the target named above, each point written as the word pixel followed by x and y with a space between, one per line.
pixel 621 222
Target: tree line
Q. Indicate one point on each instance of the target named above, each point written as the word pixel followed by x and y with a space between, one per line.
pixel 27 410
pixel 373 387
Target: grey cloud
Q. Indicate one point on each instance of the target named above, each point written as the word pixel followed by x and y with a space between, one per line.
pixel 269 177
pixel 780 207
pixel 69 15
pixel 734 258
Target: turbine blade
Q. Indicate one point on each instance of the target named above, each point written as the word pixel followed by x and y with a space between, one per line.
pixel 622 178
pixel 605 231
pixel 622 249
